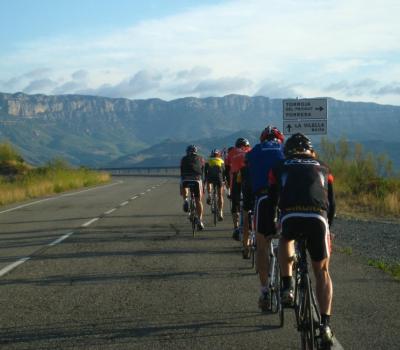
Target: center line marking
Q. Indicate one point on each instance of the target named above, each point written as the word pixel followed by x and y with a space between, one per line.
pixel 90 222
pixel 134 197
pixel 148 190
pixel 59 240
pixel 124 203
pixel 142 193
pixel 110 211
pixel 12 266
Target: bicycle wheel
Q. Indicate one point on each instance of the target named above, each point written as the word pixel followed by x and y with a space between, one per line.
pixel 193 216
pixel 214 206
pixel 275 290
pixel 307 327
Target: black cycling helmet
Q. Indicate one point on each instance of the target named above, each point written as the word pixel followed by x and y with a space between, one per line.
pixel 215 153
pixel 271 133
pixel 191 149
pixel 242 142
pixel 297 143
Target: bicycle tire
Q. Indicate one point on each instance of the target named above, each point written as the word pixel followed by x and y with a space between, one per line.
pixel 214 206
pixel 307 327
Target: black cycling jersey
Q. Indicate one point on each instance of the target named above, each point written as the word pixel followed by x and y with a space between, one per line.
pixel 192 167
pixel 302 183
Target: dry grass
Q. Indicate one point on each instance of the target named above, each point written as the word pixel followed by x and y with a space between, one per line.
pixel 43 183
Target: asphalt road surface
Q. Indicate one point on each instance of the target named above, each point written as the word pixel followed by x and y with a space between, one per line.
pixel 116 267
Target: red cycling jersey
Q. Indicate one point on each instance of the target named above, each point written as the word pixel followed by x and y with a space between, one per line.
pixel 236 158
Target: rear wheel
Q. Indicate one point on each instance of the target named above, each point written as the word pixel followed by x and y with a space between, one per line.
pixel 307 327
pixel 214 207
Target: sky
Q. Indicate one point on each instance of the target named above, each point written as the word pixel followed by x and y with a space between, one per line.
pixel 168 49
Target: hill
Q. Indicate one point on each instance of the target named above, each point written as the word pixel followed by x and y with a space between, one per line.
pixel 94 131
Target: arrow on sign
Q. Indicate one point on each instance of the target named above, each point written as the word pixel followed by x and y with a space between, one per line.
pixel 288 127
pixel 320 108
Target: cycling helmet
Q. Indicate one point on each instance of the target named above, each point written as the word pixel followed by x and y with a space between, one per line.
pixel 215 153
pixel 191 149
pixel 297 143
pixel 271 133
pixel 242 142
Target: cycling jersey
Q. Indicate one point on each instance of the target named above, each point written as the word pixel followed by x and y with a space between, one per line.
pixel 192 167
pixel 214 170
pixel 302 184
pixel 236 158
pixel 260 160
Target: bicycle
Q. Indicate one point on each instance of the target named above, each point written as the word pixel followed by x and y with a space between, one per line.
pixel 214 204
pixel 252 241
pixel 193 216
pixel 306 307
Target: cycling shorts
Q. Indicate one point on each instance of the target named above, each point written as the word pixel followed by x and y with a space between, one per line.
pixel 261 221
pixel 216 182
pixel 248 197
pixel 314 227
pixel 195 186
pixel 236 190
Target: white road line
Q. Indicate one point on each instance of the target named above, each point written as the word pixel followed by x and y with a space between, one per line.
pixel 90 222
pixel 53 198
pixel 148 190
pixel 59 240
pixel 110 211
pixel 134 197
pixel 123 203
pixel 142 193
pixel 12 266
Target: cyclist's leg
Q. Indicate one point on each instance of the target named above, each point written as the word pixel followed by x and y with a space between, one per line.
pixel 235 200
pixel 185 194
pixel 290 230
pixel 263 250
pixel 209 189
pixel 198 194
pixel 220 195
pixel 318 245
pixel 324 288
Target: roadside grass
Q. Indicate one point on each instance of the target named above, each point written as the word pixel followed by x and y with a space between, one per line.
pixel 365 184
pixel 19 181
pixel 390 268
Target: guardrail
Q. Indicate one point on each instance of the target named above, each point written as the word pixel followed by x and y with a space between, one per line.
pixel 144 171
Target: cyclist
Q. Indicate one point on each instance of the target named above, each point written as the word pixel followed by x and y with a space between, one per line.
pixel 192 171
pixel 235 161
pixel 303 187
pixel 214 175
pixel 260 161
pixel 227 172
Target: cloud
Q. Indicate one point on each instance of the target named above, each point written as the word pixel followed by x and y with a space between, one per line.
pixel 81 74
pixel 69 87
pixel 242 46
pixel 222 85
pixel 276 90
pixel 390 89
pixel 135 86
pixel 364 87
pixel 39 85
pixel 197 72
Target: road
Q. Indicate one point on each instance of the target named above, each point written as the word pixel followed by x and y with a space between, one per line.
pixel 116 267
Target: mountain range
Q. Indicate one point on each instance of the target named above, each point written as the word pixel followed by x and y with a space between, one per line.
pixel 99 131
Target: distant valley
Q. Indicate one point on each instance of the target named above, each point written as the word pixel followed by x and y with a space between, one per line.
pixel 97 131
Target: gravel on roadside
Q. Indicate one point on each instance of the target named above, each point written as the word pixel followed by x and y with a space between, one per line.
pixel 377 240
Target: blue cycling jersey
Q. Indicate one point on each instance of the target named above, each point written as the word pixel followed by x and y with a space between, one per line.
pixel 260 160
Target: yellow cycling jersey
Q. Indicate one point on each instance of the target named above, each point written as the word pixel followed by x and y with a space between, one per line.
pixel 215 162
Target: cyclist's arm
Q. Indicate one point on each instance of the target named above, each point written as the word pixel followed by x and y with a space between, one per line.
pixel 331 199
pixel 273 197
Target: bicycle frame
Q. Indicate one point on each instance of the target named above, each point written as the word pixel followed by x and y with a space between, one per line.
pixel 306 307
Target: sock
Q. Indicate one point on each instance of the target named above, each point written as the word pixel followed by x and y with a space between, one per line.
pixel 325 319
